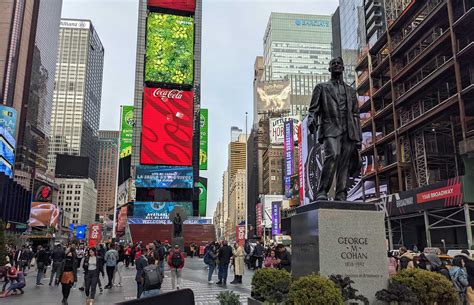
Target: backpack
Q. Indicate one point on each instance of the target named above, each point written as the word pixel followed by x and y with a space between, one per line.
pixel 151 277
pixel 404 262
pixel 207 258
pixel 176 260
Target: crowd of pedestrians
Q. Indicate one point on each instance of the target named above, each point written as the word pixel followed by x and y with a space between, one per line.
pixel 220 256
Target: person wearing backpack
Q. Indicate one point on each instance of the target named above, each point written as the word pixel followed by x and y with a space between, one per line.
pixel 176 263
pixel 151 281
pixel 161 254
pixel 459 277
pixel 140 263
pixel 111 259
pixel 210 259
pixel 406 259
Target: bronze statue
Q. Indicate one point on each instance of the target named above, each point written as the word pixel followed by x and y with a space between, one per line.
pixel 334 116
pixel 177 226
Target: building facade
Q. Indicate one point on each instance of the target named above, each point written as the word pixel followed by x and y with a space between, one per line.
pixel 77 96
pixel 273 166
pixel 107 171
pixel 237 201
pixel 416 84
pixel 297 44
pixel 79 197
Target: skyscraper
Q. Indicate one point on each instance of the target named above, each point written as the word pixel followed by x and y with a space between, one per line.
pixel 297 44
pixel 107 171
pixel 77 95
pixel 28 49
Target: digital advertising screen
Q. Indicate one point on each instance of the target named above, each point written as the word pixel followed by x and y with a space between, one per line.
pixel 202 185
pixel 126 131
pixel 273 96
pixel 169 49
pixel 8 119
pixel 72 166
pixel 180 5
pixel 159 210
pixel 164 176
pixel 167 127
pixel 203 139
pixel 44 214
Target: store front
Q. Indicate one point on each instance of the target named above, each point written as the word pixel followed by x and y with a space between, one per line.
pixel 437 215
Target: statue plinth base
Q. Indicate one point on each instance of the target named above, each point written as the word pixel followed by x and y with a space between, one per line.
pixel 178 241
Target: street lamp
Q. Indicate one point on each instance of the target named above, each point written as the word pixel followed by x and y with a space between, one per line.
pixel 444 245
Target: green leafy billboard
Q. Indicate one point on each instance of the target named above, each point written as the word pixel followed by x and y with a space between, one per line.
pixel 169 49
pixel 126 131
pixel 202 185
pixel 204 118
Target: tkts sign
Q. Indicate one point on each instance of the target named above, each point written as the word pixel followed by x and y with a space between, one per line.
pixel 440 195
pixel 167 127
pixel 94 235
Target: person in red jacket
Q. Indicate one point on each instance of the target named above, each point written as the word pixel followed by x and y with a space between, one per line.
pixel 176 263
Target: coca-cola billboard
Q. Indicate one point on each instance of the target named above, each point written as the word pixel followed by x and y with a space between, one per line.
pixel 181 5
pixel 94 234
pixel 167 127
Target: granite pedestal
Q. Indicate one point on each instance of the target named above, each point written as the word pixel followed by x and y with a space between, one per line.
pixel 341 238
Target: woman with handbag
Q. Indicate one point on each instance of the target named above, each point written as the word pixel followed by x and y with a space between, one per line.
pixel 68 274
pixel 459 277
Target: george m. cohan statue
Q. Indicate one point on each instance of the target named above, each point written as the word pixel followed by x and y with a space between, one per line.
pixel 334 116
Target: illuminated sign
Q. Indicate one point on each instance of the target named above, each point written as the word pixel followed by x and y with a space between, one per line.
pixel 167 127
pixel 164 176
pixel 169 49
pixel 181 5
pixel 159 210
pixel 8 119
pixel 318 23
pixel 126 132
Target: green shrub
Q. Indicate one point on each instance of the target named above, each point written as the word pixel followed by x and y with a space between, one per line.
pixel 429 287
pixel 270 285
pixel 314 290
pixel 349 293
pixel 396 292
pixel 228 298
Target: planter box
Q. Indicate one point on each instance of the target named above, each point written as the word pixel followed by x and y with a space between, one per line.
pixel 252 301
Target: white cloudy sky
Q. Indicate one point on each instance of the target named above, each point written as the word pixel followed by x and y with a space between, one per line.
pixel 232 38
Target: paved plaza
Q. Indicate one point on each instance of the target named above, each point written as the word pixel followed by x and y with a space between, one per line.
pixel 194 277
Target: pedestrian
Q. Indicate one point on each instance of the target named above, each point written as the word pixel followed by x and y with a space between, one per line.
pixel 161 258
pixel 100 258
pixel 210 258
pixel 239 257
pixel 111 258
pixel 91 275
pixel 119 268
pixel 284 258
pixel 128 252
pixel 258 255
pixel 57 257
pixel 406 259
pixel 80 255
pixel 150 254
pixel 224 255
pixel 4 275
pixel 17 280
pixel 41 264
pixel 140 263
pixel 392 264
pixel 132 254
pixel 459 277
pixel 68 275
pixel 176 263
pixel 151 281
pixel 271 261
pixel 21 258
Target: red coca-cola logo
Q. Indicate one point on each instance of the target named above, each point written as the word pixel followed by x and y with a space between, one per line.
pixel 163 93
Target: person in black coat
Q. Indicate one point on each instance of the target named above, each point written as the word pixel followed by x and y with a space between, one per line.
pixel 57 257
pixel 42 261
pixel 284 257
pixel 258 253
pixel 224 255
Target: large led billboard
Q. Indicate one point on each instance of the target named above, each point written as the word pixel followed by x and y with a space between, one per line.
pixel 169 49
pixel 181 5
pixel 7 152
pixel 8 119
pixel 273 96
pixel 203 138
pixel 126 131
pixel 167 127
pixel 159 210
pixel 164 176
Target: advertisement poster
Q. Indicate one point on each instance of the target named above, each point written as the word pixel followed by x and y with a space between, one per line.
pixel 44 212
pixel 202 185
pixel 7 152
pixel 190 221
pixel 240 235
pixel 277 131
pixel 273 96
pixel 259 220
pixel 81 232
pixel 126 132
pixel 164 176
pixel 300 164
pixel 8 119
pixel 203 138
pixel 95 235
pixel 180 5
pixel 276 208
pixel 169 49
pixel 167 127
pixel 159 210
pixel 289 148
